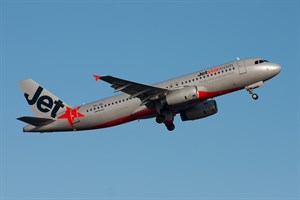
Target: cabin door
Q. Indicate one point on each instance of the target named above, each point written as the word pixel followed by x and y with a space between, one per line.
pixel 242 67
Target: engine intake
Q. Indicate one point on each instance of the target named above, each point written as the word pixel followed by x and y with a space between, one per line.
pixel 199 111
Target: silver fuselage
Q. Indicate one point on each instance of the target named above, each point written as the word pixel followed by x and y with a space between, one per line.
pixel 211 82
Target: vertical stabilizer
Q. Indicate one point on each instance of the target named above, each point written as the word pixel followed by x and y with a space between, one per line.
pixel 42 102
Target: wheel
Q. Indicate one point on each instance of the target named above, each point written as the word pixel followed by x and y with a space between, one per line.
pixel 160 119
pixel 170 127
pixel 254 96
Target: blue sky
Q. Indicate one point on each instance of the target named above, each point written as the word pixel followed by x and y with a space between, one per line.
pixel 249 150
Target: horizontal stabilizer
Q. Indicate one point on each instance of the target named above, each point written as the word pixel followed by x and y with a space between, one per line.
pixel 36 121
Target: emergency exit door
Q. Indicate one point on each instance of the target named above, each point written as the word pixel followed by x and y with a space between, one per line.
pixel 242 67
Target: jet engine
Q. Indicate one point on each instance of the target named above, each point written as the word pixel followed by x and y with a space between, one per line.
pixel 199 111
pixel 180 96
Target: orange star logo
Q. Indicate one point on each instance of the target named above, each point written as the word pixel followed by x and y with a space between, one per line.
pixel 71 114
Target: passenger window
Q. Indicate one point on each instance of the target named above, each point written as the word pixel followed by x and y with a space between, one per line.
pixel 256 62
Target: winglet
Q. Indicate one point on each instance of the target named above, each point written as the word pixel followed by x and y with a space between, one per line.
pixel 97 77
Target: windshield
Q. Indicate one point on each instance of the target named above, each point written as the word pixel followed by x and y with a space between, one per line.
pixel 260 61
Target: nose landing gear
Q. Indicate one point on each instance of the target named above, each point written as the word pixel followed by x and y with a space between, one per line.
pixel 254 95
pixel 254 86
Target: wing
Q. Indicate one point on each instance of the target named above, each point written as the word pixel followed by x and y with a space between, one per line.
pixel 144 92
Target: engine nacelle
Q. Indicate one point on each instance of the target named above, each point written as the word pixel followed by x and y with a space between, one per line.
pixel 199 111
pixel 180 96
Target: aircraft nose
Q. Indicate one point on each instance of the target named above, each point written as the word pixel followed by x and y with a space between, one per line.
pixel 274 69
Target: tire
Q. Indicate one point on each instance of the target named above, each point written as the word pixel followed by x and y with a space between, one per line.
pixel 170 127
pixel 254 96
pixel 160 119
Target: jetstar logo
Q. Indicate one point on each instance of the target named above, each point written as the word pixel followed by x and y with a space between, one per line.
pixel 71 114
pixel 44 103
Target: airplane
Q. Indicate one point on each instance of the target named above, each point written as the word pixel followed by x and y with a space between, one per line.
pixel 191 96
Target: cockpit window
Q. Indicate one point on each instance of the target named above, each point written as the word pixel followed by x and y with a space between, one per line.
pixel 260 61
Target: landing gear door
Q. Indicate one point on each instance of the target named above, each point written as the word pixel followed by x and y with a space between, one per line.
pixel 242 67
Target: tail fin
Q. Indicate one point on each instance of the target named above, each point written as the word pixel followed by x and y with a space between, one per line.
pixel 42 102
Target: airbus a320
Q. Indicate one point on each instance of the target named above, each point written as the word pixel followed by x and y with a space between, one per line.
pixel 191 96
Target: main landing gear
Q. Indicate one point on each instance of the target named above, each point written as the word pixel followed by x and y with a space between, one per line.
pixel 166 117
pixel 160 119
pixel 170 126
